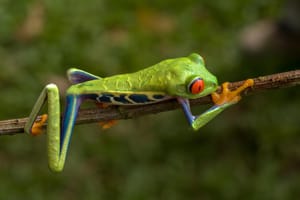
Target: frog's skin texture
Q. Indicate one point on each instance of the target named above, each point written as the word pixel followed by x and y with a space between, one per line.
pixel 179 78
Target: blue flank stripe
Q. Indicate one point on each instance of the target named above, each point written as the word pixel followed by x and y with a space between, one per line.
pixel 139 98
pixel 105 98
pixel 122 99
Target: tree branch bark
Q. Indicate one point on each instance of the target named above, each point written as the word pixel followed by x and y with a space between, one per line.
pixel 91 115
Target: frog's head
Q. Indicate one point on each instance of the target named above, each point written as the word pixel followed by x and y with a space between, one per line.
pixel 189 78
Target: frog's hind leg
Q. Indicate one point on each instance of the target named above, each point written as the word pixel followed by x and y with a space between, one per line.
pixel 58 138
pixel 50 93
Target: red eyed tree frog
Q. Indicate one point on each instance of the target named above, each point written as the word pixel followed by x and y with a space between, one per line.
pixel 180 78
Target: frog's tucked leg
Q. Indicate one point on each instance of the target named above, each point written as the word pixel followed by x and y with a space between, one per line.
pixel 57 138
pixel 222 101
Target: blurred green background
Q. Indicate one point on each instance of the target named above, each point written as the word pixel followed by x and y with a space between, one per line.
pixel 251 151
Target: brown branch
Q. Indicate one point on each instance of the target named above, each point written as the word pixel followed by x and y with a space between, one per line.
pixel 263 83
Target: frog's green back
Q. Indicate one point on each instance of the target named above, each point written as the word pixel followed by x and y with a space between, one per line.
pixel 168 77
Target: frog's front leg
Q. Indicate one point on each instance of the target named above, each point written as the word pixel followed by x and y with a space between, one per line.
pixel 222 101
pixel 57 138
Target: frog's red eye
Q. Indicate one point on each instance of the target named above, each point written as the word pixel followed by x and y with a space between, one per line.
pixel 196 86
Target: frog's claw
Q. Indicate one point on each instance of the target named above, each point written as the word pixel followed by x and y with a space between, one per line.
pixel 230 97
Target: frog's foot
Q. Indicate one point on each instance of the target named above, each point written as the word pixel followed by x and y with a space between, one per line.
pixel 230 97
pixel 37 127
pixel 107 124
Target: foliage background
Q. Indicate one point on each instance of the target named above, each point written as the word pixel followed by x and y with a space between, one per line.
pixel 251 151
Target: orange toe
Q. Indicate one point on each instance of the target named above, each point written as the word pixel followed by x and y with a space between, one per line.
pixel 37 127
pixel 108 124
pixel 228 96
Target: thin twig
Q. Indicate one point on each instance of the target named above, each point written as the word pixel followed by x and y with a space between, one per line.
pixel 91 115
